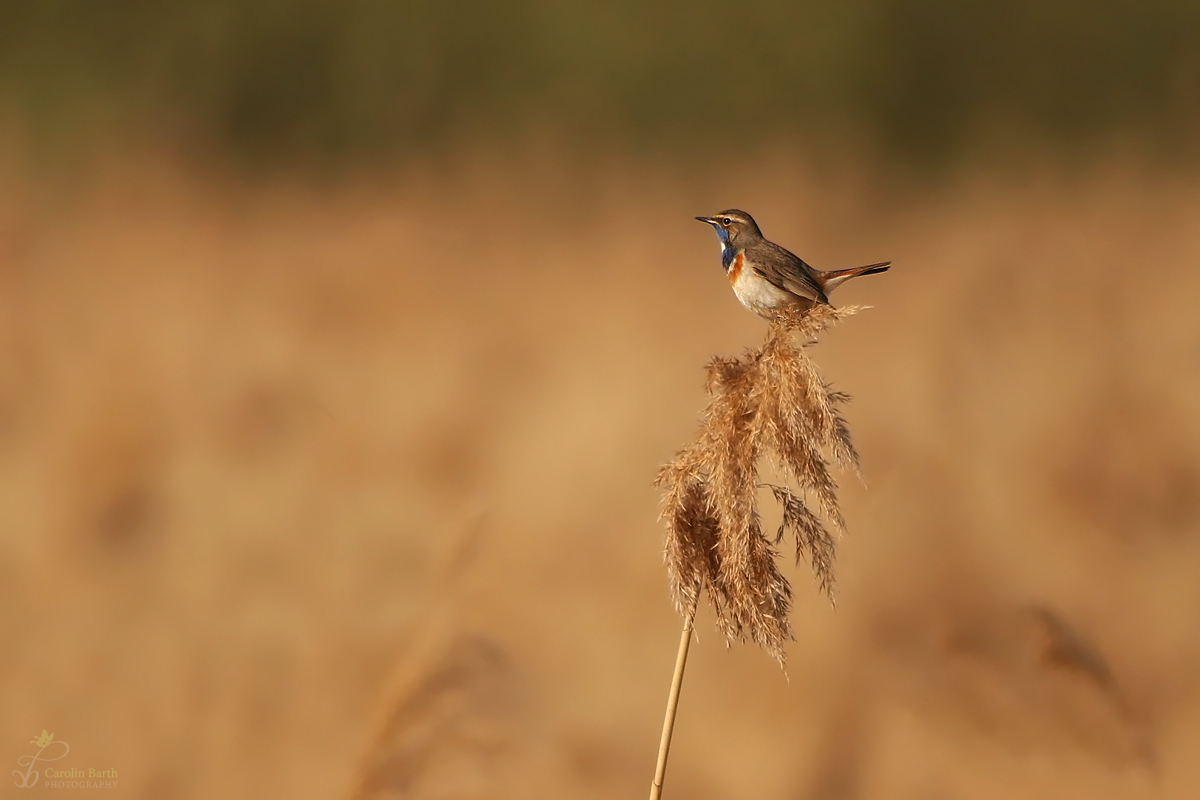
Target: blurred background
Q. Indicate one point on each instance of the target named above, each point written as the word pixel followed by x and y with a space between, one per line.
pixel 340 344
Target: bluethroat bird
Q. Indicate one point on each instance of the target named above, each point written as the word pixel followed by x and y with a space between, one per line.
pixel 767 278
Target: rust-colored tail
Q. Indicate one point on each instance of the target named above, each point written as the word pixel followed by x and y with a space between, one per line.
pixel 833 278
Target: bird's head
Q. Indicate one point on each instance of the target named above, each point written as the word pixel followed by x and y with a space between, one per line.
pixel 734 228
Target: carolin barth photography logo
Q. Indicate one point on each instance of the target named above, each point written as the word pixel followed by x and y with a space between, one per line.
pixel 51 750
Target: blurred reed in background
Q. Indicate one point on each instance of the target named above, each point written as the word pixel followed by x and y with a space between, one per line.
pixel 353 78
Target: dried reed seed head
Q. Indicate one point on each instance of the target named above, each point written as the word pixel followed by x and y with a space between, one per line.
pixel 771 402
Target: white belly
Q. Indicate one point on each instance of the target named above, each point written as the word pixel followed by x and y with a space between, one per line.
pixel 758 294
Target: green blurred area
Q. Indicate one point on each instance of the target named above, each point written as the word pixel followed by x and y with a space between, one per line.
pixel 355 77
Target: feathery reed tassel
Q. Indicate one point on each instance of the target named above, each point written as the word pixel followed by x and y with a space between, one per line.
pixel 772 402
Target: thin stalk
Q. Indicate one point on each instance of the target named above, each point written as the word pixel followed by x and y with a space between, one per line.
pixel 664 746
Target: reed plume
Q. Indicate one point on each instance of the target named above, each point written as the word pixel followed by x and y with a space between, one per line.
pixel 771 403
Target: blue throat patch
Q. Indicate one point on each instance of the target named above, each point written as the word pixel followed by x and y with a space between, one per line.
pixel 727 257
pixel 727 250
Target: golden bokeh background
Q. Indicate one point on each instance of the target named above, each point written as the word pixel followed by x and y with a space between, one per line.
pixel 326 471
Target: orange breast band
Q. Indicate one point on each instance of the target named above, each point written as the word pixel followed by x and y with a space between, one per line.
pixel 735 268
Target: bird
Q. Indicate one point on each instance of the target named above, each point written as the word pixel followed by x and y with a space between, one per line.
pixel 768 279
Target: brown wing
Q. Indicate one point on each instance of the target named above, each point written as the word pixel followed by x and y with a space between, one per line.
pixel 785 270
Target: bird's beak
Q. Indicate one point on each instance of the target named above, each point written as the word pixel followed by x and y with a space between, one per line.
pixel 709 220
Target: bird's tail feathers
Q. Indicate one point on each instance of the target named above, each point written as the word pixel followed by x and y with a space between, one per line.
pixel 835 277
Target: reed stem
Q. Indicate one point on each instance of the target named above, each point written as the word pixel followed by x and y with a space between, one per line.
pixel 664 746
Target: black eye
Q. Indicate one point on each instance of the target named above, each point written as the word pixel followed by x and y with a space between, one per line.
pixel 727 222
